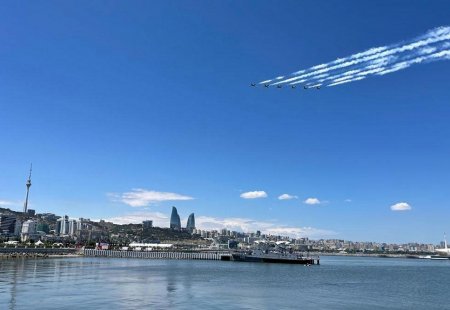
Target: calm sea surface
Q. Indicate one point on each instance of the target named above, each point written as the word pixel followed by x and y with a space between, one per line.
pixel 338 283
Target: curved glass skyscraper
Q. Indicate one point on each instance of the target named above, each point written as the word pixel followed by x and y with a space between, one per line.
pixel 175 222
pixel 190 226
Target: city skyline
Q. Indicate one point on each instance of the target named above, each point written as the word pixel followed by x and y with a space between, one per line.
pixel 141 108
pixel 66 228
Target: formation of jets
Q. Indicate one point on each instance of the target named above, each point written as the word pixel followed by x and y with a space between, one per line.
pixel 281 86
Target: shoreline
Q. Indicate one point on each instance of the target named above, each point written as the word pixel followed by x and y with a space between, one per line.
pixel 21 255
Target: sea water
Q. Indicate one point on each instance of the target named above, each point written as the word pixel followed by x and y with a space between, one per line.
pixel 114 283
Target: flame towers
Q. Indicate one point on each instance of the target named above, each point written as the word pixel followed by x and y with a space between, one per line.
pixel 175 222
pixel 190 226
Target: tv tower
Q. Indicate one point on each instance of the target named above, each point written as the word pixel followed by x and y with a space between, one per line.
pixel 25 205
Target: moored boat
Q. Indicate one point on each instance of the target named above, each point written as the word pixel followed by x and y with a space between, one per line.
pixel 259 256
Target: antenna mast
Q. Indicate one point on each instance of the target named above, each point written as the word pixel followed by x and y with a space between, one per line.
pixel 28 184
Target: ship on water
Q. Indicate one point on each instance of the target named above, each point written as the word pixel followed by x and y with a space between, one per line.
pixel 265 256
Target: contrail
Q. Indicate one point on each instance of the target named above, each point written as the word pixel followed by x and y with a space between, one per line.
pixel 379 65
pixel 397 66
pixel 405 64
pixel 432 46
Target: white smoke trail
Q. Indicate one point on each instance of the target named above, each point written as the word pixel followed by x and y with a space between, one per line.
pixel 379 65
pixel 298 82
pixel 405 64
pixel 369 52
pixel 382 60
pixel 401 65
pixel 371 68
pixel 347 81
pixel 393 51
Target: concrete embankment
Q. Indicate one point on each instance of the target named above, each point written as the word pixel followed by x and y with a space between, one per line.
pixel 31 252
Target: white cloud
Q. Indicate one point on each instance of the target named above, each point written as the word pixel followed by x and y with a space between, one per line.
pixel 348 200
pixel 5 203
pixel 401 206
pixel 286 197
pixel 9 203
pixel 312 201
pixel 254 195
pixel 232 223
pixel 141 197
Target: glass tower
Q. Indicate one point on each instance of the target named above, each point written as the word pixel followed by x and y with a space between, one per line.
pixel 175 222
pixel 190 223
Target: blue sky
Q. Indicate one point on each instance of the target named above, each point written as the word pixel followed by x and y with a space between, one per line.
pixel 108 97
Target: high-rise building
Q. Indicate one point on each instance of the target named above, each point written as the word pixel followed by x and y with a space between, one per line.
pixel 72 227
pixel 83 224
pixel 175 222
pixel 43 227
pixel 62 226
pixel 17 227
pixel 7 224
pixel 28 230
pixel 84 229
pixel 29 227
pixel 190 226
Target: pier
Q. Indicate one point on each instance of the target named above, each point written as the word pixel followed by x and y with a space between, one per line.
pixel 206 255
pixel 10 252
pixel 217 255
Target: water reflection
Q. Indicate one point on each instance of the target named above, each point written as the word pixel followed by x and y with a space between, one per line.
pixel 172 280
